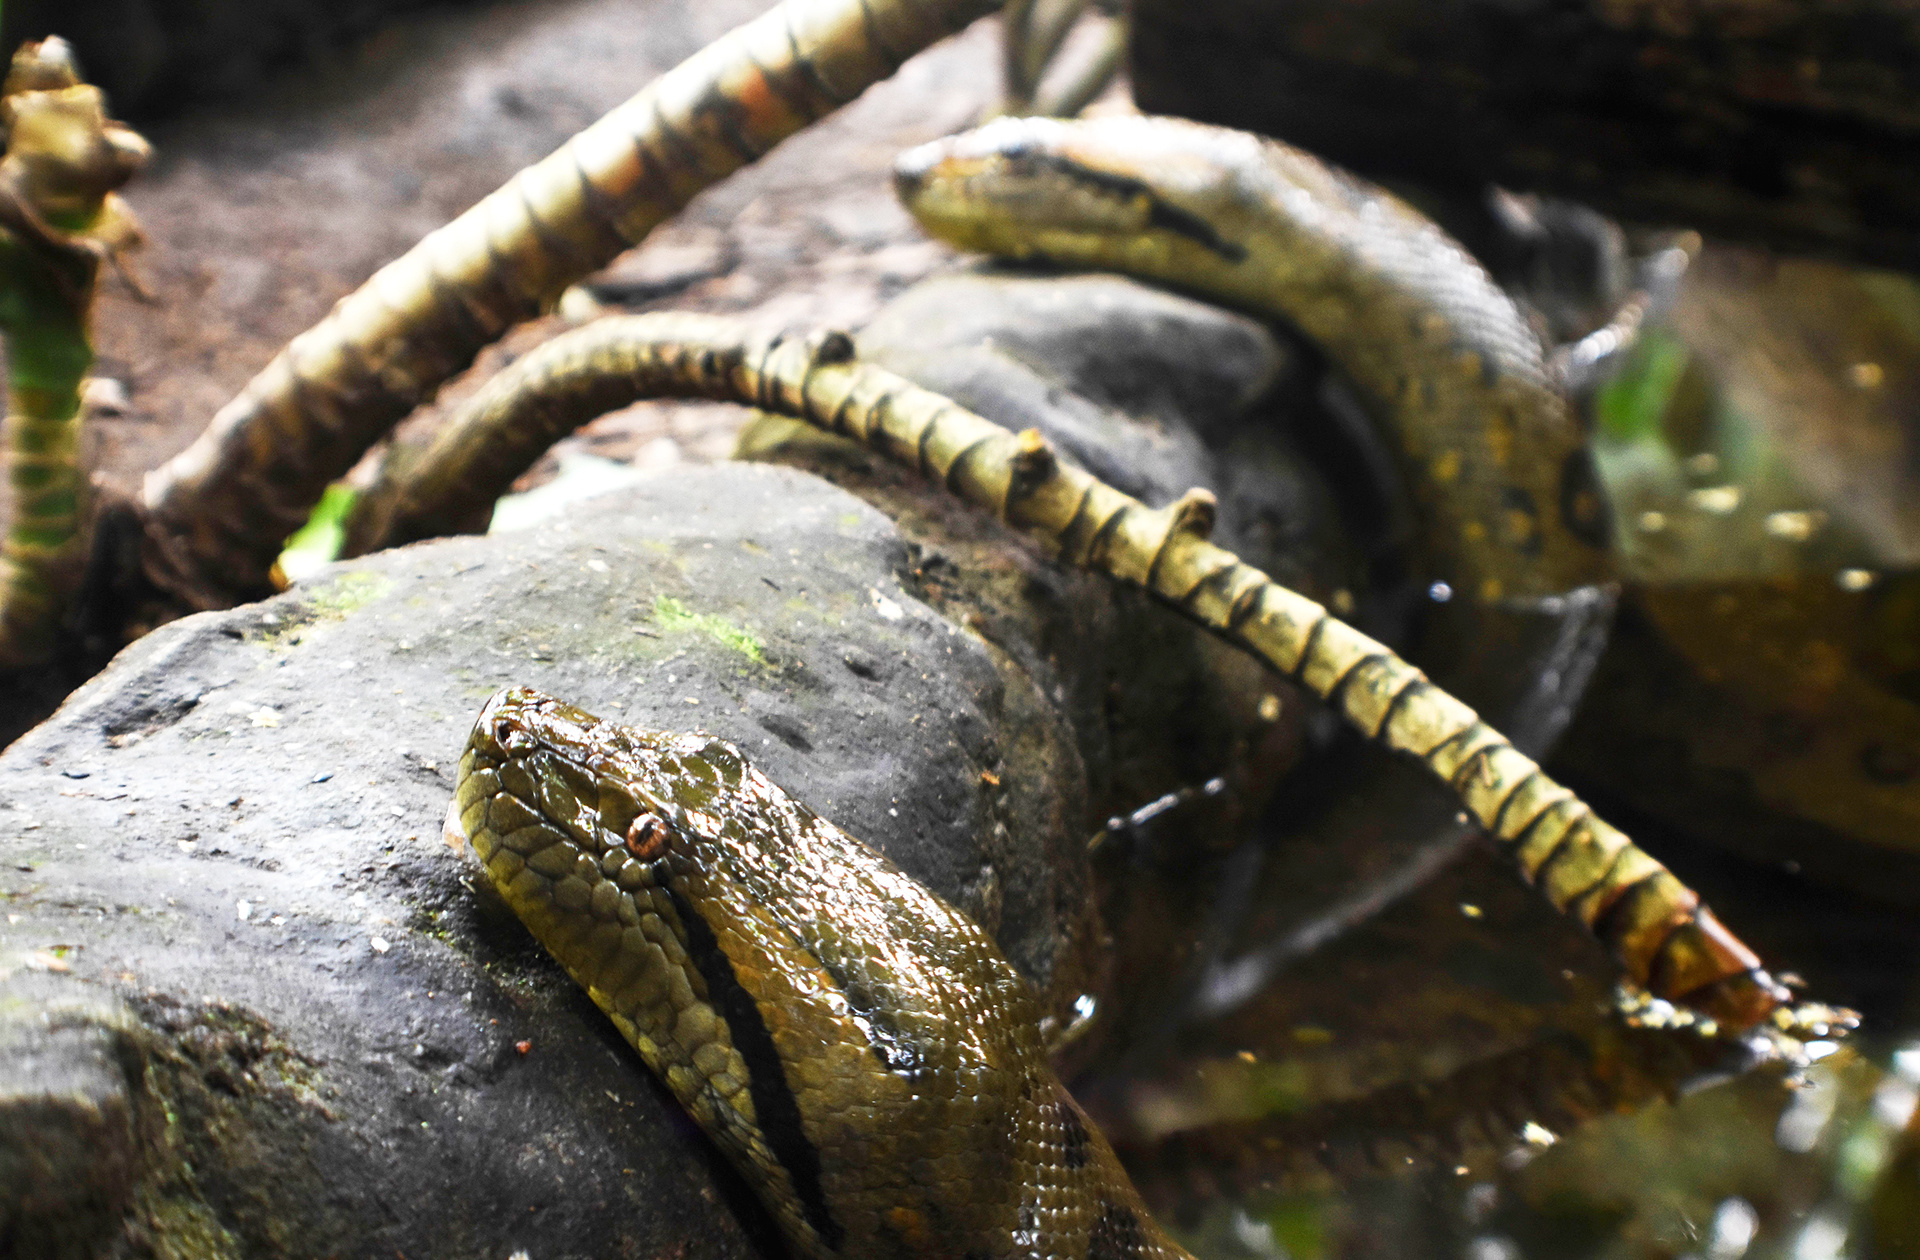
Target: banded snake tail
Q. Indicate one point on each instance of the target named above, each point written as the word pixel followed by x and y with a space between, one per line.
pixel 1489 446
pixel 859 1049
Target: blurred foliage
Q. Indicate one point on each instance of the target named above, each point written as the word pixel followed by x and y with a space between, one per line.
pixel 317 543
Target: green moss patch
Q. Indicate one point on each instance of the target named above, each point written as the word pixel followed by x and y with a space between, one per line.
pixel 674 617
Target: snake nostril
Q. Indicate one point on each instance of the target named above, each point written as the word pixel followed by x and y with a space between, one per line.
pixel 646 838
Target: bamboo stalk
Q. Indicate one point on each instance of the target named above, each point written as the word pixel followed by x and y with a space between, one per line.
pixel 1655 926
pixel 48 354
pixel 219 511
pixel 59 219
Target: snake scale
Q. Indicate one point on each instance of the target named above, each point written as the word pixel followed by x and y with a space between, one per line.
pixel 858 1047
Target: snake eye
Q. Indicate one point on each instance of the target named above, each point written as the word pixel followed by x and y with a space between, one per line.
pixel 647 838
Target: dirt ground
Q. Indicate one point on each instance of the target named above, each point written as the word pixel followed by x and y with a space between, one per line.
pixel 262 214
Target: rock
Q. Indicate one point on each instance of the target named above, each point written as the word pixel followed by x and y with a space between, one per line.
pixel 1150 391
pixel 1119 344
pixel 69 1145
pixel 1155 392
pixel 235 832
pixel 335 1042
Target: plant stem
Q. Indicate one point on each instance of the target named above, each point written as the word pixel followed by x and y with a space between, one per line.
pixel 43 315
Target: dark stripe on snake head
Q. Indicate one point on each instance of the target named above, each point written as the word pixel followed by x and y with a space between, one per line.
pixel 1161 213
pixel 773 1101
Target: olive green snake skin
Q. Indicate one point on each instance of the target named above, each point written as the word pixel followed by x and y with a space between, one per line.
pixel 1488 445
pixel 859 1048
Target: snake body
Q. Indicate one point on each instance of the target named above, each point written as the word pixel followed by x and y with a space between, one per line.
pixel 858 1048
pixel 1487 441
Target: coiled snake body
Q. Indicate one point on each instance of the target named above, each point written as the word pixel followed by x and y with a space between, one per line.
pixel 1489 446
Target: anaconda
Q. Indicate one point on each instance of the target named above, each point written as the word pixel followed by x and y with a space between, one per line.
pixel 1489 446
pixel 859 1048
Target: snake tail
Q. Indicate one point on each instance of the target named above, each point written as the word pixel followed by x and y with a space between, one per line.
pixel 1488 445
pixel 1655 926
pixel 857 1047
pixel 219 511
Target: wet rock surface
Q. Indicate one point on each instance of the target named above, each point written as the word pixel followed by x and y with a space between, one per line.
pixel 1150 391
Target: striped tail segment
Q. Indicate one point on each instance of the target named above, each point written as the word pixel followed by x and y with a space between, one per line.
pixel 218 511
pixel 1655 926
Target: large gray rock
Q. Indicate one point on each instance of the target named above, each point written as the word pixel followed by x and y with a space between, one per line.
pixel 228 847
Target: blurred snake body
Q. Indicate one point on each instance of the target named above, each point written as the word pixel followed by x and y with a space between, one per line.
pixel 857 1047
pixel 1486 439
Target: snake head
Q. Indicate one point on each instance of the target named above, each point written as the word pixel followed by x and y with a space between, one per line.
pixel 1073 192
pixel 807 1002
pixel 540 772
